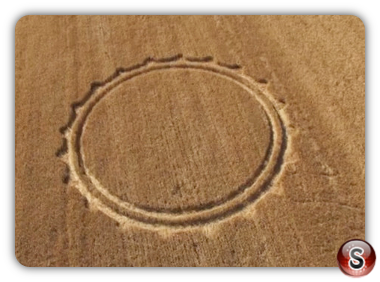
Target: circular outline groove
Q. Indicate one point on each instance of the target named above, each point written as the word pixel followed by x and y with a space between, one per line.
pixel 100 197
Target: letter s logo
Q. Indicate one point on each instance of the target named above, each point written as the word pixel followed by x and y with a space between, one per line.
pixel 356 261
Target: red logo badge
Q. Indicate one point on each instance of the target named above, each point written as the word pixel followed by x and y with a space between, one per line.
pixel 356 258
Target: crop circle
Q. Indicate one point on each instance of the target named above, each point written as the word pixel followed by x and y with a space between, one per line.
pixel 95 192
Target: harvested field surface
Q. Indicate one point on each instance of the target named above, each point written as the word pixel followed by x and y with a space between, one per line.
pixel 188 140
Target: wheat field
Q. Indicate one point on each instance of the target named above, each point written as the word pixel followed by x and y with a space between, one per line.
pixel 188 140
